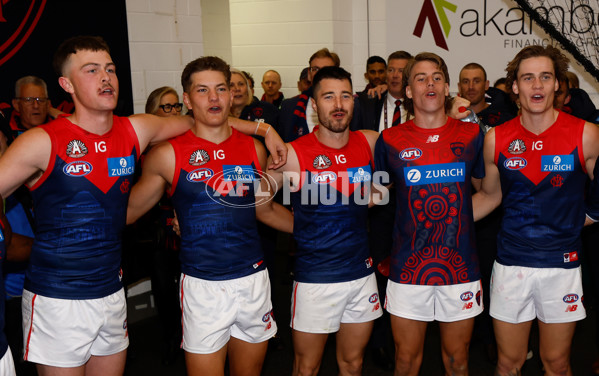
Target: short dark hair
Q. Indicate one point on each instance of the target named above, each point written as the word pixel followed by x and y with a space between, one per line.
pixel 405 79
pixel 500 80
pixel 72 46
pixel 375 59
pixel 475 66
pixel 250 78
pixel 201 64
pixel 560 63
pixel 335 73
pixel 324 53
pixel 399 55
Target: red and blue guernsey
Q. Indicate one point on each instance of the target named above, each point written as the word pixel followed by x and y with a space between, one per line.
pixel 542 179
pixel 331 209
pixel 213 193
pixel 433 236
pixel 80 210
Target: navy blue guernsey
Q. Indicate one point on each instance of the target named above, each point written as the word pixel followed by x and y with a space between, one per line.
pixel 80 210
pixel 213 196
pixel 542 179
pixel 331 209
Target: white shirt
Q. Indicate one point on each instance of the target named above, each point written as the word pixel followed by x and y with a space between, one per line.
pixel 390 102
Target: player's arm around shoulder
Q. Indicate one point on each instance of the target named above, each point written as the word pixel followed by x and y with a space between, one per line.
pixel 489 195
pixel 25 160
pixel 152 129
pixel 268 211
pixel 156 175
pixel 273 141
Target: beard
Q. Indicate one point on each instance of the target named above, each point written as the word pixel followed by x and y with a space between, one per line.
pixel 333 124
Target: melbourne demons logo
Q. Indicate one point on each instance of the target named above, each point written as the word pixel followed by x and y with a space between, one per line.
pixel 457 148
pixel 410 154
pixel 557 181
pixel 77 169
pixel 76 149
pixel 321 162
pixel 199 157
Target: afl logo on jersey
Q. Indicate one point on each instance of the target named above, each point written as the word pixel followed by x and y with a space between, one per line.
pixel 199 157
pixel 78 168
pixel 76 149
pixel 516 147
pixel 199 175
pixel 467 296
pixel 324 177
pixel 515 163
pixel 321 162
pixel 570 298
pixel 410 154
pixel 374 298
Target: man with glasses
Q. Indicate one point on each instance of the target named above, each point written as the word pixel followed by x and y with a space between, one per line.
pixel 297 117
pixel 31 105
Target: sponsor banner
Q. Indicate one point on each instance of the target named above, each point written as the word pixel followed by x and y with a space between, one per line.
pixel 555 163
pixel 437 173
pixel 488 32
pixel 121 166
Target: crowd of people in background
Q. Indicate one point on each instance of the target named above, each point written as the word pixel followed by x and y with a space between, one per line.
pixel 405 206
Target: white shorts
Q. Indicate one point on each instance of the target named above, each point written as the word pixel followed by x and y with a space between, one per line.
pixel 447 303
pixel 66 333
pixel 7 366
pixel 520 294
pixel 322 307
pixel 213 311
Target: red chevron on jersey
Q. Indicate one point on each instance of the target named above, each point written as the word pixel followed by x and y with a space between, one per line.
pixel 538 156
pixel 205 162
pixel 344 169
pixel 101 159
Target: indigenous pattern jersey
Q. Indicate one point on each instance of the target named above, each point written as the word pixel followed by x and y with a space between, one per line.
pixel 433 238
pixel 213 195
pixel 330 210
pixel 80 210
pixel 542 180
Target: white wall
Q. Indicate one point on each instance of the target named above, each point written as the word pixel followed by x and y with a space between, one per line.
pixel 252 35
pixel 164 35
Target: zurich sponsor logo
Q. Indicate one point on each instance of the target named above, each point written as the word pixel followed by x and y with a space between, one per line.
pixel 554 163
pixel 467 296
pixel 244 173
pixel 359 174
pixel 374 298
pixel 515 163
pixel 199 175
pixel 78 168
pixel 437 173
pixel 324 177
pixel 570 298
pixel 121 166
pixel 410 154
